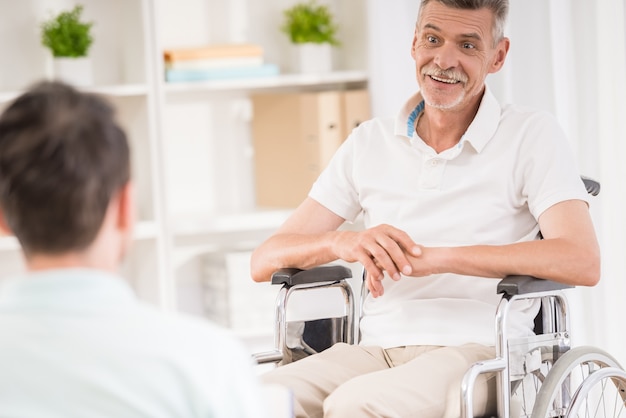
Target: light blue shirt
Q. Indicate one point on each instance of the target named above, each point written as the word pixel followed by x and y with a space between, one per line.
pixel 77 343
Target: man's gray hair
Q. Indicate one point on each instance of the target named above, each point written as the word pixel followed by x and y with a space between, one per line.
pixel 499 8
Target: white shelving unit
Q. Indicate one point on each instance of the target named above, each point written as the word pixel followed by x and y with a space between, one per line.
pixel 192 152
pixel 124 71
pixel 284 81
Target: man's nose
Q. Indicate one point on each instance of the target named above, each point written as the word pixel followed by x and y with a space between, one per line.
pixel 446 56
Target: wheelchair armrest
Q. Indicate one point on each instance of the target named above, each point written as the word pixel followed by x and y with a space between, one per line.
pixel 521 285
pixel 293 276
pixel 592 186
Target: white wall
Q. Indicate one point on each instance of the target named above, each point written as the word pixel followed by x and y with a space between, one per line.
pixel 391 67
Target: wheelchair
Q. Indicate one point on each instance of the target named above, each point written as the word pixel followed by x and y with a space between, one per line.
pixel 538 376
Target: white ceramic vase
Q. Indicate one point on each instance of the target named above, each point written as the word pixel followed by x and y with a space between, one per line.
pixel 314 58
pixel 76 71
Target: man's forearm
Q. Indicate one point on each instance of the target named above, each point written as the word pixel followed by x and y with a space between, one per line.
pixel 291 250
pixel 554 259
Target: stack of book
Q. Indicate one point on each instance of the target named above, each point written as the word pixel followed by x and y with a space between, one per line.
pixel 216 62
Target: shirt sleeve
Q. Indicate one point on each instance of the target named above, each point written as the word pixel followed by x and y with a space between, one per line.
pixel 549 170
pixel 335 187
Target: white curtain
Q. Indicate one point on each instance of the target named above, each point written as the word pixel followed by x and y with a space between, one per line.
pixel 610 71
pixel 567 57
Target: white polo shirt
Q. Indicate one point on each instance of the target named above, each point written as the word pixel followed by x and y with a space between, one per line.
pixel 77 343
pixel 511 164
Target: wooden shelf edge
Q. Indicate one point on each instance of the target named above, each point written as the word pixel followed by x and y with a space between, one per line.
pixel 9 243
pixel 143 230
pixel 273 82
pixel 185 225
pixel 114 90
pixel 120 90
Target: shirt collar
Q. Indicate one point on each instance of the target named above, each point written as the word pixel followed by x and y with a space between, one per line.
pixel 478 134
pixel 65 290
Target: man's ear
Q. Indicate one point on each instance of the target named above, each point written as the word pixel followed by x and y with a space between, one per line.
pixel 414 44
pixel 126 207
pixel 502 49
pixel 4 227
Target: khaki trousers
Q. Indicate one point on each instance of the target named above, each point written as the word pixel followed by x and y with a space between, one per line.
pixel 351 381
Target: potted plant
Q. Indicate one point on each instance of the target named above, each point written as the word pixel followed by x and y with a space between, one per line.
pixel 69 40
pixel 311 27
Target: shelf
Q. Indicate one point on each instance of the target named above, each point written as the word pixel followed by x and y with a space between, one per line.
pixel 274 82
pixel 121 90
pixel 9 243
pixel 145 230
pixel 192 141
pixel 238 222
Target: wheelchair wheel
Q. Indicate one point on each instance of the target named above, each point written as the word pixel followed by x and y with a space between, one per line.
pixel 524 391
pixel 568 374
pixel 601 394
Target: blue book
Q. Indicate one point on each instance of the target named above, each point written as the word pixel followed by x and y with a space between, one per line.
pixel 265 70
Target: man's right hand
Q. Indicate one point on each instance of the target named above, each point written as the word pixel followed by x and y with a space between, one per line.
pixel 380 249
pixel 310 237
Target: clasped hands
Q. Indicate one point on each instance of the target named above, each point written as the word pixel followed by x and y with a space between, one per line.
pixel 381 249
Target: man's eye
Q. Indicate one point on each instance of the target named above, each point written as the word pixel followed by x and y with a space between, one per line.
pixel 467 45
pixel 431 39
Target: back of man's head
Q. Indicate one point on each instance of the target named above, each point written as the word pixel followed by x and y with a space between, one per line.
pixel 62 158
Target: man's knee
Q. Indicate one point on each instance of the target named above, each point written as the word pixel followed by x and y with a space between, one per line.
pixel 305 402
pixel 342 403
pixel 355 398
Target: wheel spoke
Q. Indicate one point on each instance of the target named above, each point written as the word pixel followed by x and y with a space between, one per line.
pixel 561 390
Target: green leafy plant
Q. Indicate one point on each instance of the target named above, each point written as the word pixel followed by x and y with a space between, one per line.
pixel 310 22
pixel 66 35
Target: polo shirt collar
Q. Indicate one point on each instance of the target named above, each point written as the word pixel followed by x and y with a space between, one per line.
pixel 75 289
pixel 478 134
pixel 405 121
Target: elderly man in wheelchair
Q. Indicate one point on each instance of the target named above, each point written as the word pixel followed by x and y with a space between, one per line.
pixel 455 192
pixel 585 382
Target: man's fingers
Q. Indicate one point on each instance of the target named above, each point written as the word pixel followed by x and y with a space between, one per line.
pixel 394 260
pixel 381 249
pixel 374 284
pixel 405 241
pixel 383 256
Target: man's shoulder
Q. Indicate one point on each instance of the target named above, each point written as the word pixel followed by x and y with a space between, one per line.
pixel 528 123
pixel 525 112
pixel 374 129
pixel 384 123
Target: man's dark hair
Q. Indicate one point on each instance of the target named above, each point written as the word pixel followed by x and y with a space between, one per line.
pixel 499 8
pixel 62 158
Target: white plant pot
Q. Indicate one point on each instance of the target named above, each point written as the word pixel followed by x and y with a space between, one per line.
pixel 314 58
pixel 76 71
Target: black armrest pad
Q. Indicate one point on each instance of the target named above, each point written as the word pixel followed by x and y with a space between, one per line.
pixel 592 186
pixel 521 285
pixel 293 276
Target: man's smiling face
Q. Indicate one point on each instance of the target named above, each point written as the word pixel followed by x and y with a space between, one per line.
pixel 454 51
